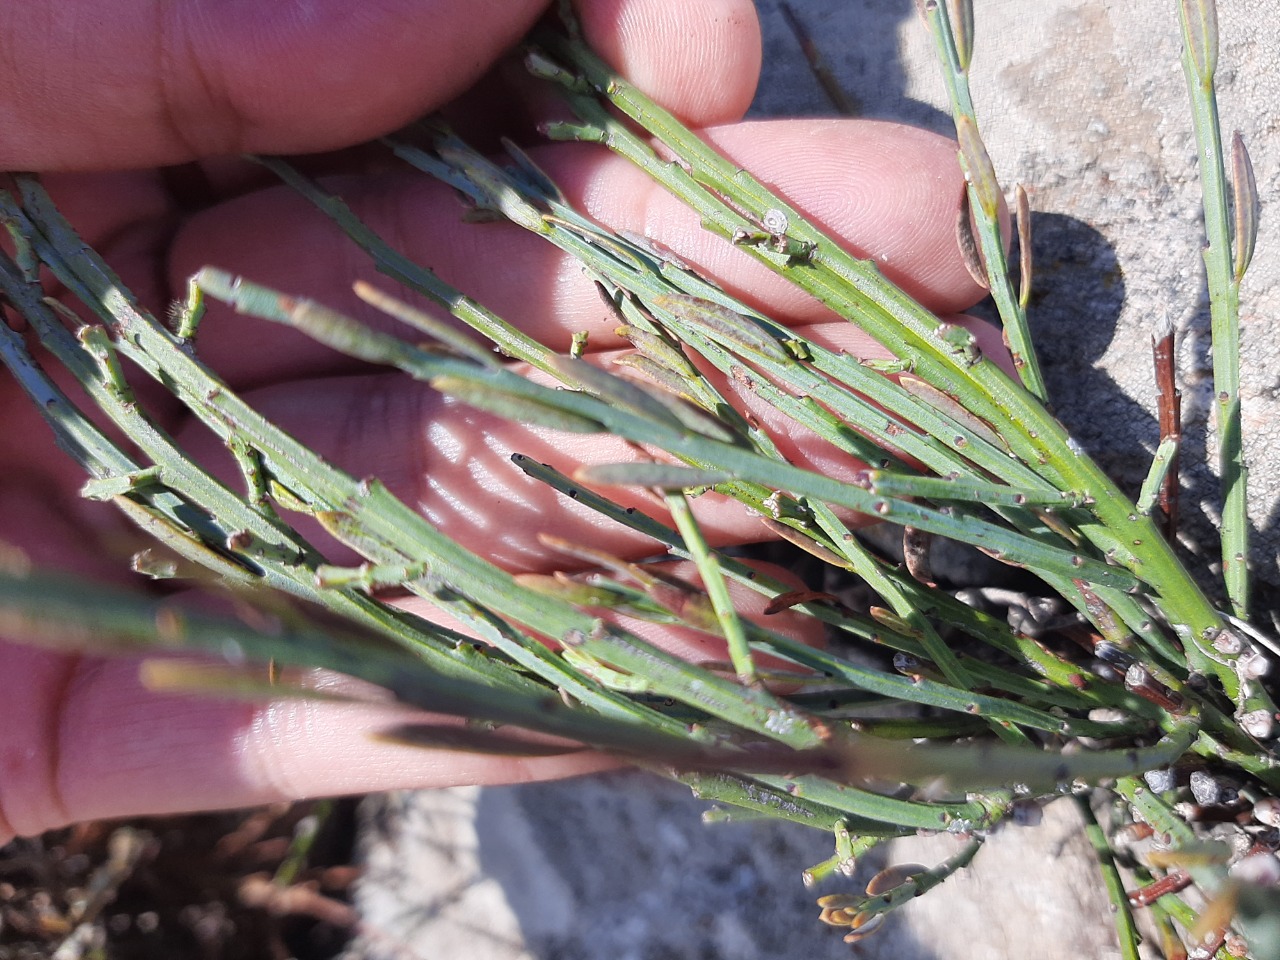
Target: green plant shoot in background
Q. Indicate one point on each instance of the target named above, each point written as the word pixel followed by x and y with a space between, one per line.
pixel 998 719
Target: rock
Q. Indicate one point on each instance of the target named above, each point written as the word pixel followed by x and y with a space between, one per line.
pixel 622 866
pixel 618 865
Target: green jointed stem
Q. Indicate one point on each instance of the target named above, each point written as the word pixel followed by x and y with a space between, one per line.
pixel 753 795
pixel 513 395
pixel 713 582
pixel 861 562
pixel 926 692
pixel 855 288
pixel 978 813
pixel 974 491
pixel 493 188
pixel 611 419
pixel 202 497
pixel 1160 465
pixel 1199 62
pixel 1060 673
pixel 396 265
pixel 385 517
pixel 983 190
pixel 178 535
pixel 1126 931
pixel 920 883
pixel 389 520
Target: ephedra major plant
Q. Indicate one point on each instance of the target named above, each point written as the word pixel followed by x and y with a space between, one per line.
pixel 1151 690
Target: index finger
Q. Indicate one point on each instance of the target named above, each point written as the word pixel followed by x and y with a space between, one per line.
pixel 108 84
pixel 90 84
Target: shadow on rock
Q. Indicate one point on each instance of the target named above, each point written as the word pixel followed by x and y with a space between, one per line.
pixel 622 866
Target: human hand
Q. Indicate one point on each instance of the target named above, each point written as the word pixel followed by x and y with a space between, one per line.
pixel 99 95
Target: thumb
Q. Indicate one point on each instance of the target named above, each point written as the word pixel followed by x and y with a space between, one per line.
pixel 93 84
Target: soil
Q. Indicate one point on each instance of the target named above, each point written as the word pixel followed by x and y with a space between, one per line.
pixel 263 884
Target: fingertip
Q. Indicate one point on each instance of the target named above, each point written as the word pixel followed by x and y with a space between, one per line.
pixel 127 84
pixel 699 60
pixel 326 77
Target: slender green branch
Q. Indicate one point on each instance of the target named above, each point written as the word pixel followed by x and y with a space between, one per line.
pixel 751 794
pixel 1126 931
pixel 919 883
pixel 1199 62
pixel 855 289
pixel 714 583
pixel 954 51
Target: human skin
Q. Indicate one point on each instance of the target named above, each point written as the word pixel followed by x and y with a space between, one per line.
pixel 134 111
